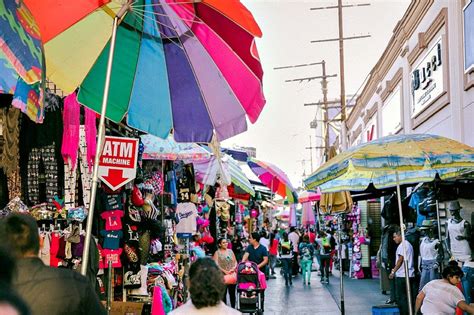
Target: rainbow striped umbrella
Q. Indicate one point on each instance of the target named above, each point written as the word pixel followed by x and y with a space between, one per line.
pixel 190 67
pixel 274 178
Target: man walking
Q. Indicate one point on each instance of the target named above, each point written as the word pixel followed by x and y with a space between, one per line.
pixel 258 254
pixel 46 290
pixel 398 272
pixel 295 240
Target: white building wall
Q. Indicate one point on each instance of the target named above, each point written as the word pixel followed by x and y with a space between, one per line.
pixel 454 115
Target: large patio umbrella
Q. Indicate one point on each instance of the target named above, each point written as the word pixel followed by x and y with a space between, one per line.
pixel 187 66
pixel 309 196
pixel 208 170
pixel 391 161
pixel 156 148
pixel 274 178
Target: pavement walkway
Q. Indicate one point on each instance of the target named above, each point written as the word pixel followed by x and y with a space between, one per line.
pixel 360 296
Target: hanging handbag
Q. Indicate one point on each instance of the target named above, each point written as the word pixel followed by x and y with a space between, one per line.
pixel 333 203
pixel 231 278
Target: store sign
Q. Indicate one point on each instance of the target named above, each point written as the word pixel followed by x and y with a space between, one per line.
pixel 118 161
pixel 370 131
pixel 427 78
pixel 468 13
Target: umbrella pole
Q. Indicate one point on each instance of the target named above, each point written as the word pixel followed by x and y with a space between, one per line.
pixel 439 233
pixel 341 268
pixel 100 140
pixel 405 262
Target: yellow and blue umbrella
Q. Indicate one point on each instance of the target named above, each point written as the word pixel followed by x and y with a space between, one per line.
pixel 392 160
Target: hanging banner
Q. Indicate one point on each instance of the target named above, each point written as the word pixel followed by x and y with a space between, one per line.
pixel 118 161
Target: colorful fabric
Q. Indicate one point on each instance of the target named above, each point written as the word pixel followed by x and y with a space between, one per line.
pixel 29 99
pixel 85 173
pixel 20 40
pixel 71 121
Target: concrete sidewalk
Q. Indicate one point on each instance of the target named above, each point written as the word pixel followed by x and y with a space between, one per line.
pixel 360 296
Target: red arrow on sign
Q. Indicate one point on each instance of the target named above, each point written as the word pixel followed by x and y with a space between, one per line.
pixel 115 177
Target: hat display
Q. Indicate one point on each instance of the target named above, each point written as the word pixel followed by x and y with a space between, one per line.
pixel 427 224
pixel 453 205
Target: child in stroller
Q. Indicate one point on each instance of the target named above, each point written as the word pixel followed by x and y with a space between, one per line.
pixel 249 288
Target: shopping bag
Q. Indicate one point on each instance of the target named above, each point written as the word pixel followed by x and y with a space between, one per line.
pixel 262 279
pixel 230 278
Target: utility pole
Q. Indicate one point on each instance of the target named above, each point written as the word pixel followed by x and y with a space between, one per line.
pixel 341 40
pixel 324 88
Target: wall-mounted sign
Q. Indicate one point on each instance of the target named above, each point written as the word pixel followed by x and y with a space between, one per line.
pixel 427 78
pixel 468 13
pixel 370 131
pixel 118 161
pixel 391 114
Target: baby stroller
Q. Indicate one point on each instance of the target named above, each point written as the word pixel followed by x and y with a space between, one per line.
pixel 249 291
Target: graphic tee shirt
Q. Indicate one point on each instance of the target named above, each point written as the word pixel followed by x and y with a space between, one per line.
pixel 112 255
pixel 440 297
pixel 411 270
pixel 187 213
pixel 111 239
pixel 306 251
pixel 112 219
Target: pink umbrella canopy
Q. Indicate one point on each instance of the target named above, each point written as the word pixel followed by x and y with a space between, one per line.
pixel 309 195
pixel 292 219
pixel 307 217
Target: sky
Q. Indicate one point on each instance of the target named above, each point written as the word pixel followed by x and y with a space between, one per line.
pixel 282 132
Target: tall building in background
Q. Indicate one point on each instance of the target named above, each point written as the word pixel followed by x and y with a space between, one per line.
pixel 251 151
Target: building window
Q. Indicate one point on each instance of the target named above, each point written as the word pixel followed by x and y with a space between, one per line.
pixel 391 114
pixel 468 13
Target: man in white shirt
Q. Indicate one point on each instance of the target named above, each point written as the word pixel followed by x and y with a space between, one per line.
pixel 294 238
pixel 398 272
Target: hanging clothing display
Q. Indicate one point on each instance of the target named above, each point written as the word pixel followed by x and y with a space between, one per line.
pixel 187 213
pixel 429 261
pixel 460 249
pixel 71 175
pixel 46 155
pixel 10 132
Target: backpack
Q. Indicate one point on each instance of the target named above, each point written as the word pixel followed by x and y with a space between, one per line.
pixel 285 248
pixel 306 252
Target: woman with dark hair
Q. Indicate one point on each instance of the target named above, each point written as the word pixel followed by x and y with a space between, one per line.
pixel 273 252
pixel 227 263
pixel 206 287
pixel 442 296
